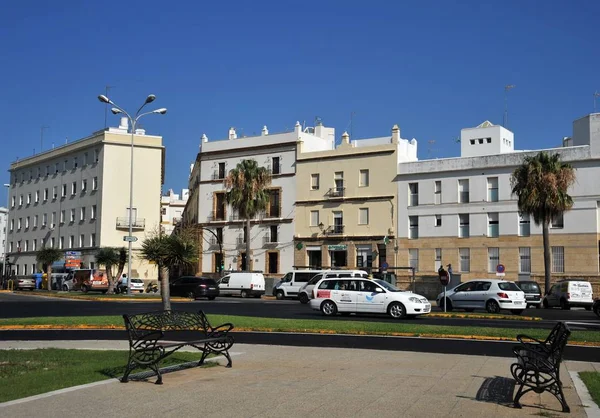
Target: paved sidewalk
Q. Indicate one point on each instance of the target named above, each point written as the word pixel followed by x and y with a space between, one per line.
pixel 277 381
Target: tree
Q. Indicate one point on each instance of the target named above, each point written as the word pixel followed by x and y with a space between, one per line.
pixel 108 257
pixel 48 256
pixel 247 192
pixel 181 251
pixel 541 184
pixel 154 250
pixel 122 261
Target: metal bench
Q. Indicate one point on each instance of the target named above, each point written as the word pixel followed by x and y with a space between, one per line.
pixel 148 346
pixel 538 364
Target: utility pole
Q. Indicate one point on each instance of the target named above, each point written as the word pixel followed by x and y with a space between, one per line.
pixel 596 95
pixel 42 129
pixel 506 89
pixel 106 89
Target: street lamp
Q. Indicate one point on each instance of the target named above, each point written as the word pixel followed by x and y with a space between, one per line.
pixel 6 228
pixel 132 122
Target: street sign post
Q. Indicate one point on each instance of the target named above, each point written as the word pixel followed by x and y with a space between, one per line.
pixel 130 238
pixel 500 270
pixel 444 279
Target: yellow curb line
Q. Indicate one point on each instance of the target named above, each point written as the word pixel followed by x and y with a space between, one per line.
pixel 105 299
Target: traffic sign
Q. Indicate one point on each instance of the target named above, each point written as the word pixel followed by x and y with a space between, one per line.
pixel 130 238
pixel 384 266
pixel 500 269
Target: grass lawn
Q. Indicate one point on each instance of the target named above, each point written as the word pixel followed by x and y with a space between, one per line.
pixel 332 326
pixel 30 372
pixel 592 381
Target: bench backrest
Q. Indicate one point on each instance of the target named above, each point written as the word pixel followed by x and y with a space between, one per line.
pixel 558 343
pixel 166 321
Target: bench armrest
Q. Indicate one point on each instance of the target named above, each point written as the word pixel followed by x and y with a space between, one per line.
pixel 220 331
pixel 531 340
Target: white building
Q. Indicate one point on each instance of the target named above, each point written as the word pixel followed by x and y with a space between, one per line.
pixel 76 197
pixel 461 211
pixel 3 222
pixel 271 234
pixel 172 206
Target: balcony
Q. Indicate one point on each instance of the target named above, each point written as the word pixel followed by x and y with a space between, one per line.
pixel 137 223
pixel 216 217
pixel 218 176
pixel 234 217
pixel 335 192
pixel 335 230
pixel 270 240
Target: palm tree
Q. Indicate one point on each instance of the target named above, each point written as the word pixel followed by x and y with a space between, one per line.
pixel 247 192
pixel 181 251
pixel 108 257
pixel 154 250
pixel 541 184
pixel 48 256
pixel 122 261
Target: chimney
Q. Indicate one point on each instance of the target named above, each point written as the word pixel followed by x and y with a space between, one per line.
pixel 395 134
pixel 265 131
pixel 345 138
pixel 204 138
pixel 124 123
pixel 232 134
pixel 140 132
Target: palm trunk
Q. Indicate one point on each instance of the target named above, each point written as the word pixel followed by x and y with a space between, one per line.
pixel 546 238
pixel 49 277
pixel 164 289
pixel 111 284
pixel 248 267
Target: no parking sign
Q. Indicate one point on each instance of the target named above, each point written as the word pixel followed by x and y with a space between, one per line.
pixel 500 270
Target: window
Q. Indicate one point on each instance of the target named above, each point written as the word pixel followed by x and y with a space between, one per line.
pixel 338 179
pixel 53 218
pixel 163 211
pixel 413 258
pixel 61 243
pixel 81 241
pixel 558 259
pixel 524 260
pixel 82 214
pixel 13 201
pixel 47 170
pixel 20 200
pixel 557 222
pixel 37 196
pixel 221 173
pixel 493 258
pixel 52 243
pixel 274 208
pixel 493 225
pixel 492 189
pixel 93 240
pixel 45 195
pixel 74 188
pixel 44 219
pixel 93 213
pixel 56 168
pixel 314 218
pixel 65 165
pixel 28 198
pixel 438 259
pixel 19 223
pixel 438 192
pixel 363 180
pixel 463 191
pixel 34 245
pixel 12 224
pixel 338 222
pixel 85 161
pixel 363 216
pixel 524 225
pixel 71 241
pixel 463 228
pixel 39 172
pixel 83 185
pixel 30 175
pixel 273 231
pixel 64 190
pixel 35 221
pixel 54 192
pixel 413 194
pixel 27 222
pixel 96 155
pixel 26 245
pixel 413 227
pixel 74 162
pixel 465 259
pixel 438 220
pixel 314 182
pixel 72 215
pixel 62 216
pixel 276 169
pixel 95 183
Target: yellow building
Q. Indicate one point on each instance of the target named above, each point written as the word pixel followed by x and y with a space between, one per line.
pixel 346 203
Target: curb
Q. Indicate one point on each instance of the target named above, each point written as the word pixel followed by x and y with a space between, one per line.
pixel 589 406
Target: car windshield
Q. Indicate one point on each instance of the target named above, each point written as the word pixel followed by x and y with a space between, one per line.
pixel 532 287
pixel 510 286
pixel 387 286
pixel 315 279
pixel 136 281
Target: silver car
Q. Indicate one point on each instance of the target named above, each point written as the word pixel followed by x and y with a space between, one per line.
pixel 489 294
pixel 24 283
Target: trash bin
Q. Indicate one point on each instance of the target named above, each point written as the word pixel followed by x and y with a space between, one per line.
pixel 38 280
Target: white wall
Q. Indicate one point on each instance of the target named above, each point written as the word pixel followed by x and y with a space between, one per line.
pixel 502 141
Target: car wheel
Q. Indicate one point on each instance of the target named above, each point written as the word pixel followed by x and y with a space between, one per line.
pixel 564 305
pixel 191 295
pixel 397 310
pixel 545 303
pixel 303 298
pixel 469 310
pixel 244 294
pixel 328 308
pixel 448 304
pixel 65 288
pixel 280 295
pixel 211 297
pixel 517 311
pixel 84 289
pixel 492 306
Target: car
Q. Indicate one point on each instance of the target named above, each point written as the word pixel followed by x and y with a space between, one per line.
pixel 24 283
pixel 194 287
pixel 533 293
pixel 305 293
pixel 492 295
pixel 290 284
pixel 363 295
pixel 137 285
pixel 570 293
pixel 244 284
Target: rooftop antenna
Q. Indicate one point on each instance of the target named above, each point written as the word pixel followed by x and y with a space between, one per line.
pixel 42 129
pixel 596 95
pixel 506 89
pixel 106 89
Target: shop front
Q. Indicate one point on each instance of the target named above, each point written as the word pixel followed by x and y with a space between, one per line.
pixel 338 254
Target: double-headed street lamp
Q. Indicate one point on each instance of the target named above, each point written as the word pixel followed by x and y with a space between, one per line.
pixel 132 122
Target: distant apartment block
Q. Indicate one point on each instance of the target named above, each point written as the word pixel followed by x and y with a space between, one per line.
pixel 172 206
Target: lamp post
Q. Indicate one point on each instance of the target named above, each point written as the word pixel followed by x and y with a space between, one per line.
pixel 132 122
pixel 6 229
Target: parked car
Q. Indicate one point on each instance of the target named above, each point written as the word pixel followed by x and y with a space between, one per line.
pixel 194 287
pixel 24 283
pixel 305 292
pixel 533 293
pixel 289 286
pixel 361 295
pixel 490 294
pixel 570 293
pixel 242 284
pixel 86 280
pixel 57 281
pixel 137 285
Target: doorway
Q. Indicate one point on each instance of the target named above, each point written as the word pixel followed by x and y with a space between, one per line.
pixel 338 258
pixel 273 262
pixel 243 262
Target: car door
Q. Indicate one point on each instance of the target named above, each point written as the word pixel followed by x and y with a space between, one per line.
pixel 224 286
pixel 176 287
pixel 286 284
pixel 370 297
pixel 343 295
pixel 553 296
pixel 479 295
pixel 460 297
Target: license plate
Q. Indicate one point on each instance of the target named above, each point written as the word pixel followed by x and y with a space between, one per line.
pixel 96 282
pixel 211 288
pixel 518 302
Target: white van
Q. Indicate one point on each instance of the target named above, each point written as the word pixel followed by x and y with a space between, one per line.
pixel 242 284
pixel 570 293
pixel 306 291
pixel 289 286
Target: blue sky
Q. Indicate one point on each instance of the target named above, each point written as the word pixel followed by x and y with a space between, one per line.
pixel 432 67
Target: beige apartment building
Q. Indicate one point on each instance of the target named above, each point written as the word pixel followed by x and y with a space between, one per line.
pixel 75 197
pixel 346 203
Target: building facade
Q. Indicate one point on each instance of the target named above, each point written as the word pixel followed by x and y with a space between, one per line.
pixel 460 211
pixel 172 206
pixel 3 229
pixel 222 231
pixel 346 203
pixel 76 197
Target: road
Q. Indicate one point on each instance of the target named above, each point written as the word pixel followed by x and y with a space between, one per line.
pixel 24 305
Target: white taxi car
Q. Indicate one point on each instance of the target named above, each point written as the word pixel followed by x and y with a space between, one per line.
pixel 362 295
